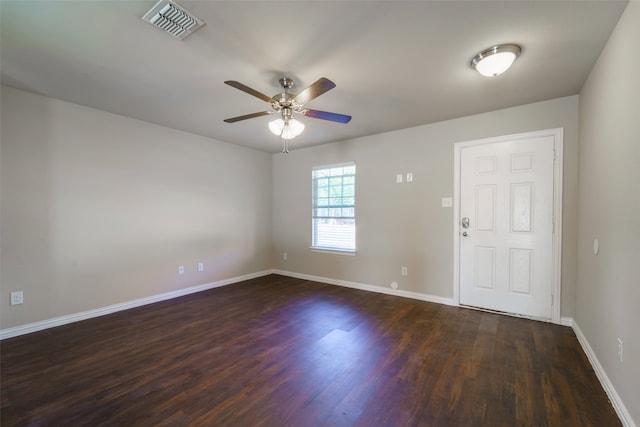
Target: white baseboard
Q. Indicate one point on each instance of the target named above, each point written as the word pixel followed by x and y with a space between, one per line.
pixel 566 321
pixel 76 317
pixel 370 288
pixel 618 405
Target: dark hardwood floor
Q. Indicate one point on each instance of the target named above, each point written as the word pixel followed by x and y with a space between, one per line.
pixel 278 351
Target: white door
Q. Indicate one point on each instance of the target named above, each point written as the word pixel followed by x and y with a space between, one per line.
pixel 506 225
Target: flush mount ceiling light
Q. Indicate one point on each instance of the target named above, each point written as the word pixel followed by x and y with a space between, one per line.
pixel 495 60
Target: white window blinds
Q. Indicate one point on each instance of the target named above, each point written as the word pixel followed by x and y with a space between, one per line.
pixel 333 207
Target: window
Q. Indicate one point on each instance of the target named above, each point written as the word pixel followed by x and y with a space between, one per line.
pixel 333 207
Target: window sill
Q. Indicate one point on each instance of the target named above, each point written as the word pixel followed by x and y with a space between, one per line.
pixel 333 251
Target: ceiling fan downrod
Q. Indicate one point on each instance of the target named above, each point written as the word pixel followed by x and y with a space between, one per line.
pixel 286 83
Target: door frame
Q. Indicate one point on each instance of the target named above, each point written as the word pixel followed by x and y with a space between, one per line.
pixel 556 268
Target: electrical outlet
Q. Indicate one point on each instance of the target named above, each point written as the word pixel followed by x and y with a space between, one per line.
pixel 17 298
pixel 284 256
pixel 620 348
pixel 200 266
pixel 181 270
pixel 403 271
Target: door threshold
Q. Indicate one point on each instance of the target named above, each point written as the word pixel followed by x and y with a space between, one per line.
pixel 506 313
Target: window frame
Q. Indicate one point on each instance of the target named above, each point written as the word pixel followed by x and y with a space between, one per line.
pixel 315 247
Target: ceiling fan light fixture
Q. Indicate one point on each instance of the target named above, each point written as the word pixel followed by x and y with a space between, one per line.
pixel 286 129
pixel 276 126
pixel 495 60
pixel 295 127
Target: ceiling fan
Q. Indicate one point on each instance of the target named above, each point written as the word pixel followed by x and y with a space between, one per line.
pixel 288 104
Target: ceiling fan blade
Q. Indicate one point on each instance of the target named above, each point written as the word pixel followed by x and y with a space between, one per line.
pixel 249 90
pixel 248 116
pixel 321 86
pixel 325 115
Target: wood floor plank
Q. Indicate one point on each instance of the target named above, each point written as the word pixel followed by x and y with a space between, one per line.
pixel 279 351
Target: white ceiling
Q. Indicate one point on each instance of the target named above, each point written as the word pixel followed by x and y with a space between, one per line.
pixel 396 64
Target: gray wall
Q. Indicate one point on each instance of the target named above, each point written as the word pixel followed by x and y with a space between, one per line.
pixel 99 209
pixel 608 291
pixel 404 224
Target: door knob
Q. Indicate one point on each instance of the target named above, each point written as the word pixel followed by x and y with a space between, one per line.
pixel 465 222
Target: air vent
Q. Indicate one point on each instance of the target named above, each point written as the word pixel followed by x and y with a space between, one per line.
pixel 173 19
